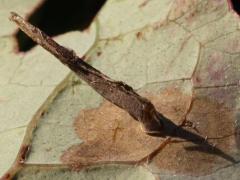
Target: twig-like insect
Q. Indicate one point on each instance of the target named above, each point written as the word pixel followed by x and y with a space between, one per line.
pixel 116 92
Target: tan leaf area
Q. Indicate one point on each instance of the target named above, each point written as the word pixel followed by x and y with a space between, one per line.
pixel 110 134
pixel 213 121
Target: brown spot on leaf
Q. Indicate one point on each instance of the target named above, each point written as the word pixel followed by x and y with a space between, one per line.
pixel 42 113
pixel 213 121
pixel 143 4
pixel 198 79
pixel 139 35
pixel 48 149
pixel 6 176
pixel 112 135
pixel 99 53
pixel 215 67
pixel 23 153
pixel 237 130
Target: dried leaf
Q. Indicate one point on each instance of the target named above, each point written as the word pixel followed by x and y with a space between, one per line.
pixel 182 55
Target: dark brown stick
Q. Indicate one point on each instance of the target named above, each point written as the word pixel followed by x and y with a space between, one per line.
pixel 116 92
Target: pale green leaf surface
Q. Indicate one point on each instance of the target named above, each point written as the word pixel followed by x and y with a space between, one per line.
pixel 22 7
pixel 183 55
pixel 154 56
pixel 27 82
pixel 54 133
pixel 98 173
pixel 122 16
pixel 10 142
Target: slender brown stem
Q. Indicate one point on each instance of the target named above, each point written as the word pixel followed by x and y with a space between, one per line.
pixel 116 92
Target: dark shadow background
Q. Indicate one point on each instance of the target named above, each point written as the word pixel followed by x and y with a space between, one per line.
pixel 57 17
pixel 235 6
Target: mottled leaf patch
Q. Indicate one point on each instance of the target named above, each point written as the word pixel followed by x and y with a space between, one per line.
pixel 215 122
pixel 104 172
pixel 218 66
pixel 237 130
pixel 112 135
